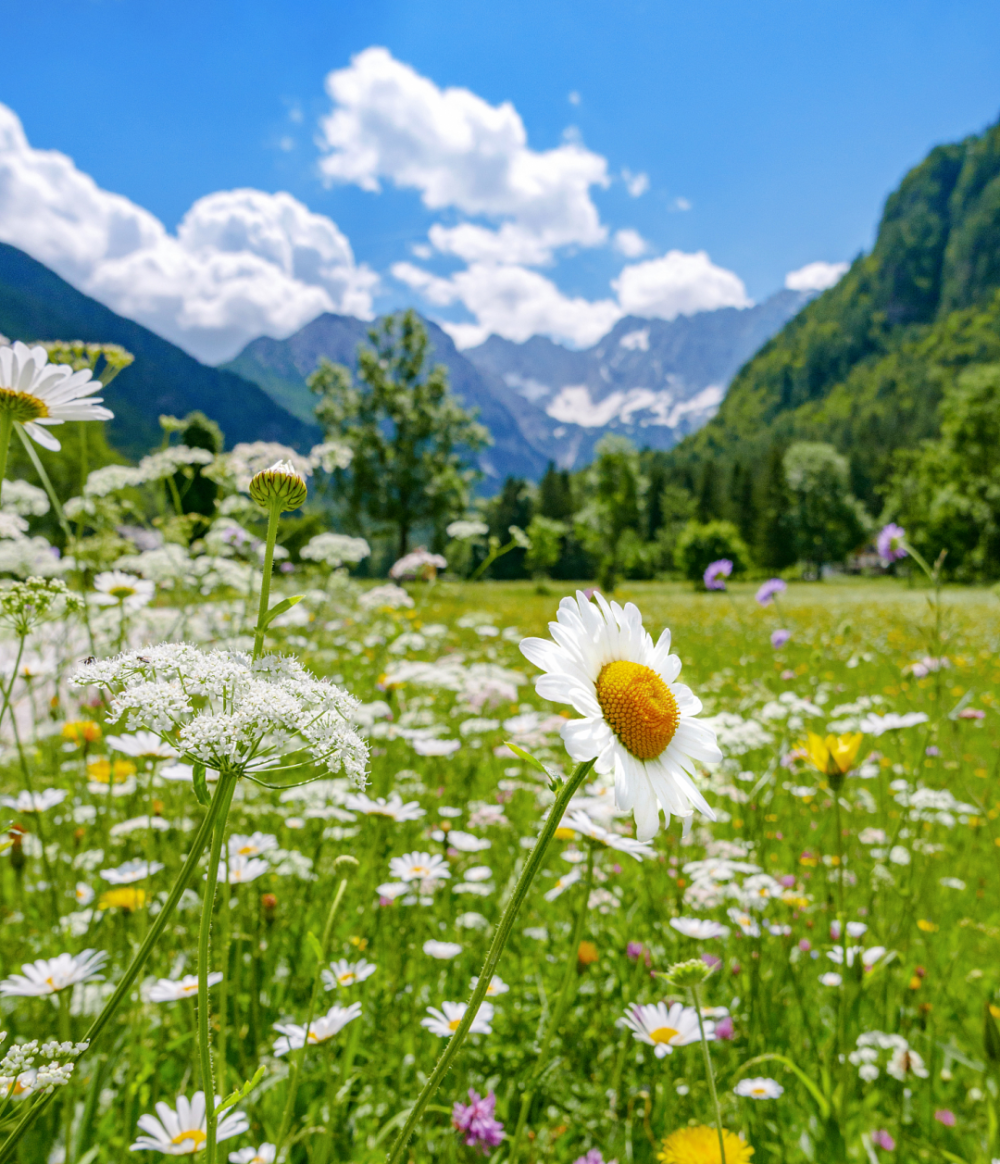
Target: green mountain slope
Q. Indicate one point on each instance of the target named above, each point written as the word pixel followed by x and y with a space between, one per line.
pixel 36 304
pixel 864 365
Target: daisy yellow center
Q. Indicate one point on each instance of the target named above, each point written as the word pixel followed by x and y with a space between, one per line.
pixel 663 1034
pixel 22 406
pixel 639 707
pixel 454 1024
pixel 122 591
pixel 700 1145
pixel 195 1135
pixel 419 870
pixel 346 979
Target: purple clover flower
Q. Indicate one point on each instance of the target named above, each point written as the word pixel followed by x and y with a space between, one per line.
pixel 882 1139
pixel 476 1119
pixel 890 543
pixel 779 638
pixel 769 589
pixel 593 1157
pixel 946 1117
pixel 716 573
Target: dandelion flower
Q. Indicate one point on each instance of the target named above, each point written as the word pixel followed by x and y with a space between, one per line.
pixel 173 990
pixel 445 1022
pixel 50 975
pixel 700 1145
pixel 639 722
pixel 125 898
pixel 36 394
pixel 663 1027
pixel 326 1027
pixel 759 1088
pixel 344 973
pixel 181 1130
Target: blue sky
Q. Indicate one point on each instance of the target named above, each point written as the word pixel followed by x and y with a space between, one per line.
pixel 769 135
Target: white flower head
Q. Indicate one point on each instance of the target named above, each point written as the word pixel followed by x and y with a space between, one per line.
pixel 699 928
pixel 143 746
pixel 326 1027
pixel 181 1130
pixel 445 1022
pixel 638 721
pixel 173 990
pixel 35 801
pixel 254 845
pixel 444 951
pixel 759 1088
pixel 50 975
pixel 37 394
pixel 242 870
pixel 580 822
pixel 663 1027
pixel 419 867
pixel 131 871
pixel 394 807
pixel 344 973
pixel 263 1155
pixel 497 986
pixel 115 587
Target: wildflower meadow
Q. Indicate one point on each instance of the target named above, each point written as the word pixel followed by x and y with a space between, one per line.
pixel 301 867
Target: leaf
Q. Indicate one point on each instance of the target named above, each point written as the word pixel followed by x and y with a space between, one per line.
pixel 241 1092
pixel 528 758
pixel 280 608
pixel 314 945
pixel 200 784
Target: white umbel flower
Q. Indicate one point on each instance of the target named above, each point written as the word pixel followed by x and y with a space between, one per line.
pixel 50 975
pixel 663 1027
pixel 445 1022
pixel 332 1023
pixel 38 394
pixel 181 1130
pixel 174 989
pixel 639 722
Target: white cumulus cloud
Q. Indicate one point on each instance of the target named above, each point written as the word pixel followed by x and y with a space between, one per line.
pixel 243 262
pixel 815 276
pixel 678 284
pixel 630 243
pixel 389 123
pixel 635 184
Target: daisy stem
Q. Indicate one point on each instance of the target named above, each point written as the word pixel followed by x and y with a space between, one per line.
pixel 124 987
pixel 711 1076
pixel 265 582
pixel 293 1075
pixel 500 936
pixel 224 793
pixel 6 428
pixel 555 1020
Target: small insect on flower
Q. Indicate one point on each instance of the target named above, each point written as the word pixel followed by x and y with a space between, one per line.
pixel 181 1130
pixel 759 1088
pixel 700 1145
pixel 344 973
pixel 50 975
pixel 173 990
pixel 663 1027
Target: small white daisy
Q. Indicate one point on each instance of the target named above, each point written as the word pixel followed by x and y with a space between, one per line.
pixel 445 1022
pixel 83 893
pixel 639 722
pixel 115 586
pixel 131 871
pixel 580 822
pixel 142 745
pixel 181 1130
pixel 174 989
pixel 830 979
pixel 35 393
pixel 252 846
pixel 663 1027
pixel 394 807
pixel 50 975
pixel 419 867
pixel 243 870
pixel 332 1023
pixel 344 973
pixel 564 883
pixel 496 986
pixel 699 928
pixel 263 1155
pixel 35 801
pixel 759 1088
pixel 442 950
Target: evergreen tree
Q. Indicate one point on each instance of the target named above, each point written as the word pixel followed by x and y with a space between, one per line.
pixel 775 536
pixel 555 494
pixel 742 503
pixel 709 505
pixel 512 506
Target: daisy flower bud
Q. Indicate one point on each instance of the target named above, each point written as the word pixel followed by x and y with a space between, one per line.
pixel 282 484
pixel 687 974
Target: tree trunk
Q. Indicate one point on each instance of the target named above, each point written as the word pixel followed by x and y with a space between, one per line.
pixel 404 539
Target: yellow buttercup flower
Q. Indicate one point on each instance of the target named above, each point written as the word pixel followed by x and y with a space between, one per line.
pixel 700 1145
pixel 82 731
pixel 102 770
pixel 834 756
pixel 126 898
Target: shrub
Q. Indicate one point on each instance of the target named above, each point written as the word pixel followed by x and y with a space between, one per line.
pixel 701 544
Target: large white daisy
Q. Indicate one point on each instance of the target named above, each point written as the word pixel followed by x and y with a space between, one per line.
pixel 639 722
pixel 181 1131
pixel 35 393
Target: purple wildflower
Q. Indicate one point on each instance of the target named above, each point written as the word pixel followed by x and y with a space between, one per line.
pixel 724 1028
pixel 482 1129
pixel 890 543
pixel 779 638
pixel 770 589
pixel 716 572
pixel 882 1139
pixel 593 1157
pixel 711 961
pixel 946 1117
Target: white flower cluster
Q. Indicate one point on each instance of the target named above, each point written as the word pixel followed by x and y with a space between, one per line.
pixel 903 1060
pixel 333 549
pixel 155 467
pixel 330 455
pixel 23 499
pixel 18 1075
pixel 225 710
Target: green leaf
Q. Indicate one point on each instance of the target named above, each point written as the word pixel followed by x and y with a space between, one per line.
pixel 281 607
pixel 314 945
pixel 528 758
pixel 200 784
pixel 241 1092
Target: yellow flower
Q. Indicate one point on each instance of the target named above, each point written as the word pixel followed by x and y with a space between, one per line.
pixel 835 755
pixel 101 770
pixel 125 898
pixel 927 926
pixel 701 1146
pixel 564 834
pixel 82 731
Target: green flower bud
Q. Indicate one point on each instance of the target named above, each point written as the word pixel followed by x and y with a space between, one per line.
pixel 687 974
pixel 280 484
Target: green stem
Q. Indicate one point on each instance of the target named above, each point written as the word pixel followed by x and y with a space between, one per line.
pixel 128 978
pixel 265 582
pixel 6 428
pixel 710 1074
pixel 13 678
pixel 552 1029
pixel 40 470
pixel 293 1077
pixel 500 936
pixel 490 558
pixel 227 785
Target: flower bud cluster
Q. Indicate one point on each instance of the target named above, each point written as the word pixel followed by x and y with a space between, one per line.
pixel 24 605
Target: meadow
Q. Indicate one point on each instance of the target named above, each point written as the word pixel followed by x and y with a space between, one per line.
pixel 852 987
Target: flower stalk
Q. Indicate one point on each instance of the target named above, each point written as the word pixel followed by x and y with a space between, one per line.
pixel 500 937
pixel 696 999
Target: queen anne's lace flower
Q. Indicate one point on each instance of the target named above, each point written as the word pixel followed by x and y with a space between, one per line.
pixel 229 712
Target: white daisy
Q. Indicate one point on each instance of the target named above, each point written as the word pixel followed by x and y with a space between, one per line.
pixel 463 842
pixel 394 808
pixel 663 1027
pixel 344 973
pixel 699 928
pixel 496 986
pixel 35 801
pixel 181 1131
pixel 251 846
pixel 581 823
pixel 744 921
pixel 50 975
pixel 445 1022
pixel 478 873
pixel 830 979
pixel 18 1086
pixel 433 747
pixel 83 893
pixel 35 393
pixel 392 889
pixel 332 1023
pixel 564 883
pixel 131 871
pixel 419 867
pixel 442 950
pixel 174 989
pixel 263 1155
pixel 759 1088
pixel 115 586
pixel 639 722
pixel 142 745
pixel 243 870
